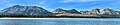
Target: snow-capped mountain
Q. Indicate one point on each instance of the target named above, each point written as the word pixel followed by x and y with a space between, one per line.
pixel 108 11
pixel 35 10
pixel 61 11
pixel 95 11
pixel 105 11
pixel 25 10
pixel 85 12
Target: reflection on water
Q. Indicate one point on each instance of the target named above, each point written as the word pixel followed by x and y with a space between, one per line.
pixel 74 21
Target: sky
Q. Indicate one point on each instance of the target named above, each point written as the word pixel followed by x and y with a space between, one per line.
pixel 80 5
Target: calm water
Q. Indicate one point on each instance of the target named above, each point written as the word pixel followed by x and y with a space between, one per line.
pixel 73 21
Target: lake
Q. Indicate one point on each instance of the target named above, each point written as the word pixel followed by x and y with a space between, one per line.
pixel 62 21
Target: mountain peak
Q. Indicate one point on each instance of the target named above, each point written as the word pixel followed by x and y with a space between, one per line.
pixel 17 5
pixel 61 11
pixel 25 10
pixel 106 9
pixel 73 10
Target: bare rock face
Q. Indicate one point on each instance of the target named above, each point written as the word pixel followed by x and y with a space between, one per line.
pixel 105 11
pixel 101 11
pixel 25 10
pixel 95 11
pixel 61 11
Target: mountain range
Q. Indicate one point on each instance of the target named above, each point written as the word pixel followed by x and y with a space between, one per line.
pixel 35 10
pixel 104 11
pixel 25 10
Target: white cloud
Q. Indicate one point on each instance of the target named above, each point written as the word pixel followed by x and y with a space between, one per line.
pixel 66 1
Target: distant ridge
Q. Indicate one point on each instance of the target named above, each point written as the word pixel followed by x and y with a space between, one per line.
pixel 62 11
pixel 104 11
pixel 35 10
pixel 39 11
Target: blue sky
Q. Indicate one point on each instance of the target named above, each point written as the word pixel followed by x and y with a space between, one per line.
pixel 80 5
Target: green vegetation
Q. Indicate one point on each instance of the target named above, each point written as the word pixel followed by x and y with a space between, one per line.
pixel 64 16
pixel 35 16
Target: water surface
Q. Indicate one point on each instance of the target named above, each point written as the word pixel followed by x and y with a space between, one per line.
pixel 71 21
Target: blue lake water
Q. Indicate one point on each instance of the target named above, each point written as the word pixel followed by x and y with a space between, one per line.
pixel 71 21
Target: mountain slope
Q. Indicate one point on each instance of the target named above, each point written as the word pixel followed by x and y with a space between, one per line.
pixel 25 10
pixel 61 11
